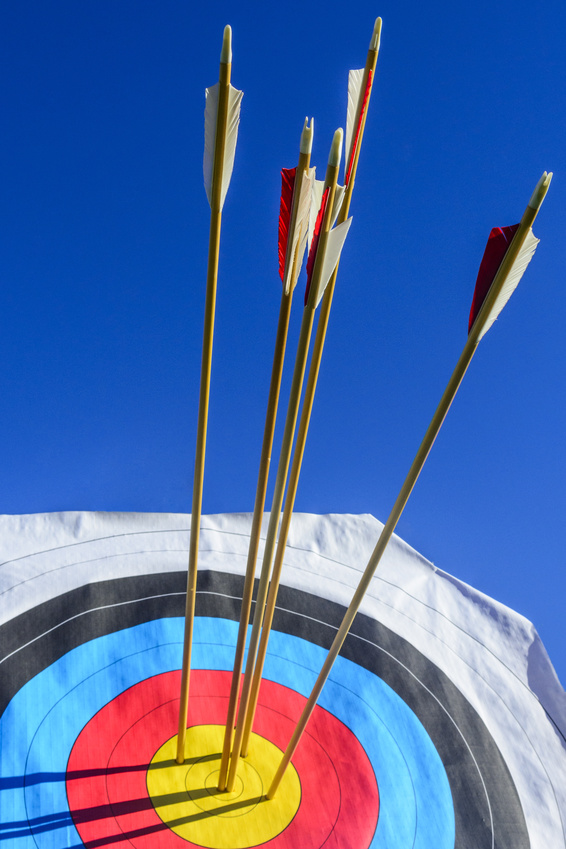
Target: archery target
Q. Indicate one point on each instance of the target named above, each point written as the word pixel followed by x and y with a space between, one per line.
pixel 411 763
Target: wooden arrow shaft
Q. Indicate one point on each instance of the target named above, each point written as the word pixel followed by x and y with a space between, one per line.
pixel 210 306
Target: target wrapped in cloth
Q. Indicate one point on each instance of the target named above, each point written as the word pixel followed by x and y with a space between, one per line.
pixel 441 724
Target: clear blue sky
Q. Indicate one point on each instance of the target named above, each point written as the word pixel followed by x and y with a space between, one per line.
pixel 103 259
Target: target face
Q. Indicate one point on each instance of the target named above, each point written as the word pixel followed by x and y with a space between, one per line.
pixel 394 755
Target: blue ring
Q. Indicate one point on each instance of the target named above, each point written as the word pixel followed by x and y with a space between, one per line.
pixel 416 807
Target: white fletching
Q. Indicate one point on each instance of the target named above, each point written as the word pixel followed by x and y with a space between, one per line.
pixel 210 122
pixel 334 245
pixel 317 192
pixel 338 198
pixel 512 281
pixel 301 230
pixel 355 79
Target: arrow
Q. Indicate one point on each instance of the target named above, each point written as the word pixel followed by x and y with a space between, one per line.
pixel 222 115
pixel 511 267
pixel 326 286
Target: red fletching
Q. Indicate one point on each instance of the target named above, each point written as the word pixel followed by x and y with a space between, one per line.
pixel 358 128
pixel 314 243
pixel 499 240
pixel 287 186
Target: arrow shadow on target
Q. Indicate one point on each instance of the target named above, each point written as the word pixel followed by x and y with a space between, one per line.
pixel 49 777
pixel 21 828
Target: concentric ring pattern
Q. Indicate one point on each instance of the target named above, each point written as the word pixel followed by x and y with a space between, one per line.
pixel 430 774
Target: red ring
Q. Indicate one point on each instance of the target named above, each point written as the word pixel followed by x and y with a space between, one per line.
pixel 106 773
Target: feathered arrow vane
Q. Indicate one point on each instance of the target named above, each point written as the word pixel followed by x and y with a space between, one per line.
pixel 221 122
pixel 359 89
pixel 506 257
pixel 360 83
pixel 294 213
pixel 500 271
pixel 221 119
pixel 326 241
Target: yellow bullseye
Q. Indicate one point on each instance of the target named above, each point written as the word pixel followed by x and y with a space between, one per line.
pixel 187 799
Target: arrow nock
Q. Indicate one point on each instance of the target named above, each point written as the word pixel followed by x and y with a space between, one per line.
pixel 336 149
pixel 540 191
pixel 307 136
pixel 226 52
pixel 376 36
